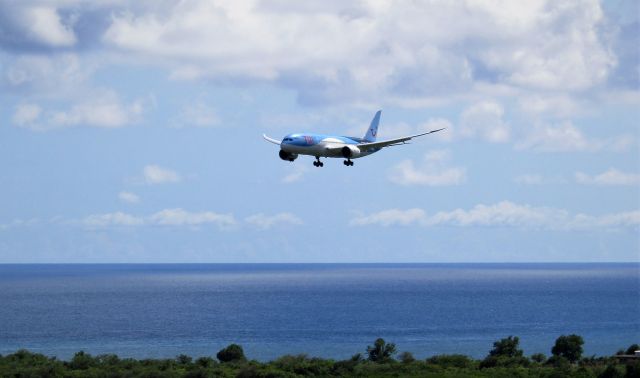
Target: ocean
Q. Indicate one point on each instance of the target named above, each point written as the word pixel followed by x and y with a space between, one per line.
pixel 324 310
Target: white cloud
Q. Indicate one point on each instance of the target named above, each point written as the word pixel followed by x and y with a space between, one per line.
pixel 42 75
pixel 390 217
pixel 112 219
pixel 404 50
pixel 610 177
pixel 128 197
pixel 180 217
pixel 529 179
pixel 484 120
pixel 199 114
pixel 433 171
pixel 298 171
pixel 44 25
pixel 558 105
pixel 103 110
pixel 167 217
pixel 435 124
pixel 565 137
pixel 154 174
pixel 502 214
pixel 266 222
pixel 26 114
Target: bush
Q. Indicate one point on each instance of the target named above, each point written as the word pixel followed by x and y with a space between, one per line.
pixel 507 347
pixel 232 353
pixel 569 347
pixel 611 372
pixel 81 361
pixel 539 358
pixel 303 365
pixel 451 360
pixel 381 352
pixel 183 359
pixel 505 353
pixel 406 357
pixel 205 362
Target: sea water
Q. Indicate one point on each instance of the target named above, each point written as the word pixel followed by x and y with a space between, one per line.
pixel 324 310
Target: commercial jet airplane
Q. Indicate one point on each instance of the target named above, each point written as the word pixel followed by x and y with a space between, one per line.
pixel 332 146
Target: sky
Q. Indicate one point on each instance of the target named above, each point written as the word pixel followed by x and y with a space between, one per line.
pixel 131 131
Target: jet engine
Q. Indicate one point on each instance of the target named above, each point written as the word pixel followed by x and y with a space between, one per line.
pixel 350 151
pixel 288 156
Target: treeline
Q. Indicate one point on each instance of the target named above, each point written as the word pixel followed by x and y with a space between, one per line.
pixel 381 359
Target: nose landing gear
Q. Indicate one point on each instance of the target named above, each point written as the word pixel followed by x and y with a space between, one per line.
pixel 318 163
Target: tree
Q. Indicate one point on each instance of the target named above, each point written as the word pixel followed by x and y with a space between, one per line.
pixel 632 349
pixel 381 352
pixel 569 347
pixel 183 359
pixel 232 353
pixel 538 357
pixel 507 347
pixel 506 353
pixel 81 361
pixel 406 357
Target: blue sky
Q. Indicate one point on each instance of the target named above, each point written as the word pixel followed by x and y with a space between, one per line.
pixel 130 131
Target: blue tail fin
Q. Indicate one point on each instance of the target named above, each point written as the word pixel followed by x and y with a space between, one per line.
pixel 372 133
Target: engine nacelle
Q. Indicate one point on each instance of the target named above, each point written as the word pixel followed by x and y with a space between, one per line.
pixel 350 151
pixel 288 156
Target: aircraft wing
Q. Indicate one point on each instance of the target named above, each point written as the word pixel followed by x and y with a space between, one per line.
pixel 274 141
pixel 394 142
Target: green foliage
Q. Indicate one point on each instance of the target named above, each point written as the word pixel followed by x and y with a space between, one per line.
pixel 632 348
pixel 82 361
pixel 504 363
pixel 539 358
pixel 507 347
pixel 381 352
pixel 183 359
pixel 452 360
pixel 505 353
pixel 205 362
pixel 303 365
pixel 632 370
pixel 569 347
pixel 611 372
pixel 232 353
pixel 406 357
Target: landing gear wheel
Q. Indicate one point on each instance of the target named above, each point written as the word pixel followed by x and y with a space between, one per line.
pixel 315 163
pixel 318 163
pixel 347 162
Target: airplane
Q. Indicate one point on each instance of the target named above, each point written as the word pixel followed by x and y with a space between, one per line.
pixel 331 146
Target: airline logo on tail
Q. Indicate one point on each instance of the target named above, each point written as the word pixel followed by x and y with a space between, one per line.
pixel 373 128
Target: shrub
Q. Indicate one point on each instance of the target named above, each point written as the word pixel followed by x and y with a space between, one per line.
pixel 381 352
pixel 406 357
pixel 507 347
pixel 232 353
pixel 183 359
pixel 81 361
pixel 569 347
pixel 539 358
pixel 451 360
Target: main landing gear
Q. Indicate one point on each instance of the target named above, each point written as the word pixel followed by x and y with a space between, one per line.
pixel 318 163
pixel 348 162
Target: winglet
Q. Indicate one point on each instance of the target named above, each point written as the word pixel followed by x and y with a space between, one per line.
pixel 372 133
pixel 274 141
